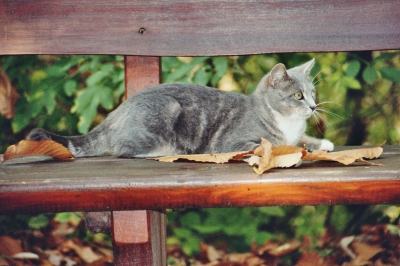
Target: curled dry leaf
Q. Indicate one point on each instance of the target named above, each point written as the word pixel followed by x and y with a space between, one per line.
pixel 209 158
pixel 44 147
pixel 25 256
pixel 345 157
pixel 8 96
pixel 285 249
pixel 365 251
pixel 310 259
pixel 288 160
pixel 272 157
pixel 267 160
pixel 281 150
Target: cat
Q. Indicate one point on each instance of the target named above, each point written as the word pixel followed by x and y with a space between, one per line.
pixel 175 118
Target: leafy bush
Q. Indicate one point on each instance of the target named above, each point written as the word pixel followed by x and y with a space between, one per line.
pixel 69 95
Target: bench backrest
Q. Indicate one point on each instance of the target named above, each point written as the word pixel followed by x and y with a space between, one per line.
pixel 201 27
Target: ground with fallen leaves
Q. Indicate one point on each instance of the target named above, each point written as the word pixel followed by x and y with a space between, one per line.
pixel 53 245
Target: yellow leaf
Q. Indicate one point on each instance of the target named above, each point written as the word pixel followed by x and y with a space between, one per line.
pixel 281 150
pixel 345 157
pixel 288 160
pixel 267 160
pixel 210 158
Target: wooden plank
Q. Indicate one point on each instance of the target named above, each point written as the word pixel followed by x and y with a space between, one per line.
pixel 139 238
pixel 99 184
pixel 141 72
pixel 196 27
pixel 139 235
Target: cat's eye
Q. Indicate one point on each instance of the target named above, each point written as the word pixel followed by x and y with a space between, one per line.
pixel 298 95
pixel 313 94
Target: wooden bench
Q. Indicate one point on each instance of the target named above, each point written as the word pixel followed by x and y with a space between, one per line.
pixel 129 196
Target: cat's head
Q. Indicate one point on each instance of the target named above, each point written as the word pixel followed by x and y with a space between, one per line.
pixel 289 92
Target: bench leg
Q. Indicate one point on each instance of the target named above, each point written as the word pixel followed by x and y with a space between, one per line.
pixel 139 237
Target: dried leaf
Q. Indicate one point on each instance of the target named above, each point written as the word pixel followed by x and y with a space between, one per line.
pixel 283 156
pixel 345 157
pixel 44 147
pixel 25 256
pixel 310 259
pixel 10 246
pixel 267 160
pixel 281 150
pixel 365 251
pixel 210 158
pixel 285 249
pixel 284 150
pixel 288 160
pixel 210 252
pixel 85 253
pixel 8 96
pixel 344 244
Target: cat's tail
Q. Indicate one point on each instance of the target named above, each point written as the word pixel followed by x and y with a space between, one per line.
pixel 91 144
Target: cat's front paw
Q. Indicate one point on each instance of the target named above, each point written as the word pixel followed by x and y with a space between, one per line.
pixel 38 134
pixel 326 145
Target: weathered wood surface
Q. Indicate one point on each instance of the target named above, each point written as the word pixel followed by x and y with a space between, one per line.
pixel 196 27
pixel 139 238
pixel 99 184
pixel 139 235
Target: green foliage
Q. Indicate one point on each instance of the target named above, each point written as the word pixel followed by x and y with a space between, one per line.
pixel 198 70
pixel 64 217
pixel 239 226
pixel 70 94
pixel 14 223
pixel 63 94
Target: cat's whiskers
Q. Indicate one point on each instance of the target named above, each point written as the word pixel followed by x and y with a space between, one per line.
pixel 316 76
pixel 318 116
pixel 315 84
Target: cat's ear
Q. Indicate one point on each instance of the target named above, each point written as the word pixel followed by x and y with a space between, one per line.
pixel 306 67
pixel 277 75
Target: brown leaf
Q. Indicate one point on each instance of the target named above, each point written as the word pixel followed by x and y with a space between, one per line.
pixel 365 251
pixel 288 160
pixel 210 252
pixel 345 157
pixel 285 249
pixel 8 96
pixel 210 158
pixel 267 160
pixel 10 246
pixel 85 253
pixel 284 150
pixel 310 259
pixel 266 248
pixel 43 147
pixel 281 150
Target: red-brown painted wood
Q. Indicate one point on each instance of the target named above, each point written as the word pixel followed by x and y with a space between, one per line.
pixel 201 27
pixel 139 235
pixel 147 247
pixel 99 184
pixel 141 72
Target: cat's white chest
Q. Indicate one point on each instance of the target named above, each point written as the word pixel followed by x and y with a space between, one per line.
pixel 292 127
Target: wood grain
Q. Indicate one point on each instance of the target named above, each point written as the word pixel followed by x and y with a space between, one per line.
pixel 141 72
pixel 196 27
pixel 140 251
pixel 99 184
pixel 139 235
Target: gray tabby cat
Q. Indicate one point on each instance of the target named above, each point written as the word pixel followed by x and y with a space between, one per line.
pixel 190 119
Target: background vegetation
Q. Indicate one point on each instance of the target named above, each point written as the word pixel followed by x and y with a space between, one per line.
pixel 69 95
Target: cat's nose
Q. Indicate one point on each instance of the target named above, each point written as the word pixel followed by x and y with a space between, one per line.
pixel 313 108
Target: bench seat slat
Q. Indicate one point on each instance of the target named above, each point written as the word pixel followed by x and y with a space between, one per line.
pixel 200 27
pixel 98 184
